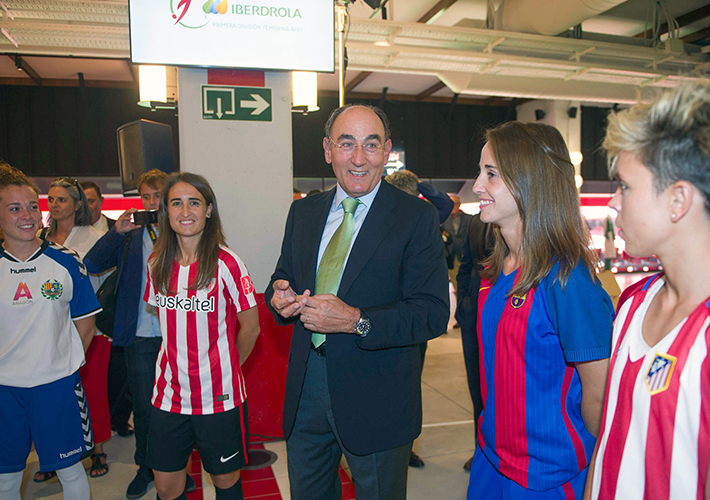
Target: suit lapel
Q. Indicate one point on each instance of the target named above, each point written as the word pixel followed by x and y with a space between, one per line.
pixel 376 226
pixel 313 222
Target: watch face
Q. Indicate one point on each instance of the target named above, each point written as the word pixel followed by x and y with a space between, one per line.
pixel 362 327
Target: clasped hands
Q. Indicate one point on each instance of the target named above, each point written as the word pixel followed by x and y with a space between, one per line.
pixel 322 313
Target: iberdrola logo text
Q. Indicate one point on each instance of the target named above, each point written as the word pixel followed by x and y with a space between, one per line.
pixel 196 19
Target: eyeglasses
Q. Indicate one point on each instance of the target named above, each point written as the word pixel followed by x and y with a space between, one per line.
pixel 349 147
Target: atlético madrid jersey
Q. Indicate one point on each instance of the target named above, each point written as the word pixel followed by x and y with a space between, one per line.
pixel 531 428
pixel 655 438
pixel 39 299
pixel 197 371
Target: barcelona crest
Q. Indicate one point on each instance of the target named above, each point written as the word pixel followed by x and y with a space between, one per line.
pixel 517 300
pixel 660 372
pixel 52 289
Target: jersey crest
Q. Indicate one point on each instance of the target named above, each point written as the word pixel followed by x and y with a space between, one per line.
pixel 517 301
pixel 660 372
pixel 52 289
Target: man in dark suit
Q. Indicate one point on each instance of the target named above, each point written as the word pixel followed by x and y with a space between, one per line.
pixel 359 392
pixel 456 231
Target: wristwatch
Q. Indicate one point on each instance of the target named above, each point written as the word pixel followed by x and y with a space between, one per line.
pixel 362 326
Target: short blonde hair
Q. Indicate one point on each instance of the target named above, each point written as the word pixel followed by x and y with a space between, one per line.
pixel 669 135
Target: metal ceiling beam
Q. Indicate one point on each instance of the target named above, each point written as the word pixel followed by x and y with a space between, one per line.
pixel 684 20
pixel 359 78
pixel 24 66
pixel 59 82
pixel 430 91
pixel 698 35
pixel 440 6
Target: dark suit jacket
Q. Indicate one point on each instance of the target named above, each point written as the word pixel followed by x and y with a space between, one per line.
pixel 107 253
pixel 478 246
pixel 396 273
pixel 458 237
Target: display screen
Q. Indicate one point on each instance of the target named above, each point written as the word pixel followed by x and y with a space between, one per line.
pixel 261 34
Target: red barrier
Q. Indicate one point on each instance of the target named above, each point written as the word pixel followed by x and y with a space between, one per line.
pixel 265 374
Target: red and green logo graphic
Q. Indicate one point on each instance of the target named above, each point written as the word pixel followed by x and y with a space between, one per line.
pixel 192 18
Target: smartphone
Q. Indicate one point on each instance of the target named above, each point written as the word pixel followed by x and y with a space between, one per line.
pixel 145 217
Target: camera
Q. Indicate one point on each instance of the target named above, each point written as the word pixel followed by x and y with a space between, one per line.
pixel 145 217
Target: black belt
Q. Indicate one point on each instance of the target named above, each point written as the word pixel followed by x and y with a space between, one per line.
pixel 320 350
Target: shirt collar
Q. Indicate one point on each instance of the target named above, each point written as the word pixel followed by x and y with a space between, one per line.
pixel 365 200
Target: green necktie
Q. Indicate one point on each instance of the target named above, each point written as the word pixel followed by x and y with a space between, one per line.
pixel 331 264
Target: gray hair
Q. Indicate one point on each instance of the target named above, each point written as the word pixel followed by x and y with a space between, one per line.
pixel 670 136
pixel 337 112
pixel 404 180
pixel 82 217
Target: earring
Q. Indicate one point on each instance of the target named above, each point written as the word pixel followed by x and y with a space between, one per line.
pixel 673 216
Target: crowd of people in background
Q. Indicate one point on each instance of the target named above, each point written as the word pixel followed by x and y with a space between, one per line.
pixel 571 398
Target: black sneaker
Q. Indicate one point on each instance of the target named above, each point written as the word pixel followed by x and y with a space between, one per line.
pixel 140 483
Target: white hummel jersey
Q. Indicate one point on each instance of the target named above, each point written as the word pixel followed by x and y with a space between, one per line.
pixel 39 299
pixel 655 436
pixel 198 370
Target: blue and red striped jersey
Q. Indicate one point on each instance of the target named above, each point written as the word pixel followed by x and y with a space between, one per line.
pixel 531 428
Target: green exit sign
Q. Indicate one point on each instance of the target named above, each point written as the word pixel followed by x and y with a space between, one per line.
pixel 236 103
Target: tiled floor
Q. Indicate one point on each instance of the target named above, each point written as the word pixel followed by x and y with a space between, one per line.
pixel 446 442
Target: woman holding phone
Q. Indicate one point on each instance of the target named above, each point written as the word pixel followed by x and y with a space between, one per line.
pixel 209 323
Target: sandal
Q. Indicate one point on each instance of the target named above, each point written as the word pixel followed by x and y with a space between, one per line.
pixel 41 477
pixel 98 468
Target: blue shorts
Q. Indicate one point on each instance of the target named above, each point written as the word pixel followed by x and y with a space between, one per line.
pixel 486 483
pixel 54 416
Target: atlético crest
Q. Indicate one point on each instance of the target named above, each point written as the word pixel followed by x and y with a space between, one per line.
pixel 52 289
pixel 660 372
pixel 517 300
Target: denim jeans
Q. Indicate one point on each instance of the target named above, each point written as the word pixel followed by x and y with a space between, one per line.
pixel 140 364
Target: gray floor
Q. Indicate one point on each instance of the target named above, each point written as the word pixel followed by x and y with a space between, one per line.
pixel 446 442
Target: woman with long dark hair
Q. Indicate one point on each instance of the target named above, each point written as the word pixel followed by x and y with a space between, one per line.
pixel 544 322
pixel 209 323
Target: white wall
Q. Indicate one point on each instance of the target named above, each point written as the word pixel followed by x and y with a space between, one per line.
pixel 556 115
pixel 248 164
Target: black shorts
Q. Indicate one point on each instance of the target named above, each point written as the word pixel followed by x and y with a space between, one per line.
pixel 221 439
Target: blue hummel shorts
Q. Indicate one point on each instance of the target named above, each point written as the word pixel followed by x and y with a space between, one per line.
pixel 54 416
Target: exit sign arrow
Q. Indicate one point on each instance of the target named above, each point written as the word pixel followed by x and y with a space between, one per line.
pixel 259 104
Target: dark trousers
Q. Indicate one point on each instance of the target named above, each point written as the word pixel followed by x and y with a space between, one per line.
pixel 469 339
pixel 119 395
pixel 314 451
pixel 140 364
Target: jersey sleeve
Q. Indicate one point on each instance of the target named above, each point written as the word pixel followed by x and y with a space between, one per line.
pixel 238 282
pixel 149 294
pixel 83 302
pixel 582 315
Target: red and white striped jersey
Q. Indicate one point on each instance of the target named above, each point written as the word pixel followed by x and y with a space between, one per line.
pixel 197 371
pixel 655 436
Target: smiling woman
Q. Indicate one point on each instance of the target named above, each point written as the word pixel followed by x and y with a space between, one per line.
pixel 202 291
pixel 47 310
pixel 544 322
